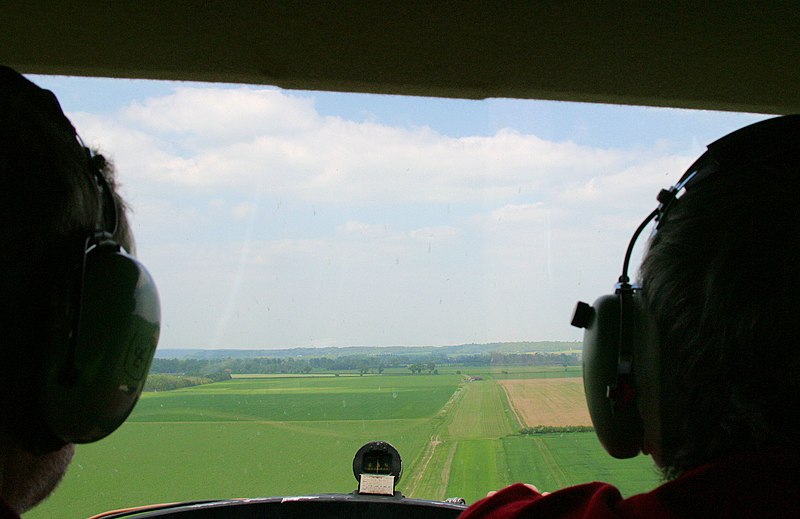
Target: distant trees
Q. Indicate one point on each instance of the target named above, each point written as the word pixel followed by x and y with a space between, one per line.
pixel 417 368
pixel 356 363
pixel 162 382
pixel 533 359
pixel 268 365
pixel 547 429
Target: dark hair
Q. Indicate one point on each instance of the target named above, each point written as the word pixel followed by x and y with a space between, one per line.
pixel 722 278
pixel 49 205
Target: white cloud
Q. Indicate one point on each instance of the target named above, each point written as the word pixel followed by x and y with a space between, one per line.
pixel 214 116
pixel 306 227
pixel 238 140
pixel 515 213
pixel 365 230
pixel 439 233
pixel 243 210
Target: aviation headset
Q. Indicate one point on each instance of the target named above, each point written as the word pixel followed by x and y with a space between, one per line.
pixel 92 385
pixel 105 333
pixel 616 324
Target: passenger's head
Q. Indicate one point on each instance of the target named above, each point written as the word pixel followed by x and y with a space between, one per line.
pixel 49 204
pixel 722 279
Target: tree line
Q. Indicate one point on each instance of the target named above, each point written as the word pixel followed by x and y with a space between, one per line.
pixel 359 363
pixel 168 382
pixel 548 429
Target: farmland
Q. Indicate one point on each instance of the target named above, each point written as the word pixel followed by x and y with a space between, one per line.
pixel 548 401
pixel 259 436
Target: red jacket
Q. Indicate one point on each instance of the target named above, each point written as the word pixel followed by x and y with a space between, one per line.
pixel 764 485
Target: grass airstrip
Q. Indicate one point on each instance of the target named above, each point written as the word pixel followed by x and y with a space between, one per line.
pixel 458 434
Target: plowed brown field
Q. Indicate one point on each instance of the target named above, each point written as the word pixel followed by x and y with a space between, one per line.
pixel 548 401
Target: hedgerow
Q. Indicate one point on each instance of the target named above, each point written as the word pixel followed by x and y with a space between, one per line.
pixel 548 429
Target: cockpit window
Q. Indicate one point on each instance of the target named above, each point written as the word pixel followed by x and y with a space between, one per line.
pixel 338 268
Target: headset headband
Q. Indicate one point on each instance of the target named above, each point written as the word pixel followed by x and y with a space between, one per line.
pixel 758 142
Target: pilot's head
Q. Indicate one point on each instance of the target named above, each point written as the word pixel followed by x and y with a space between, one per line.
pixel 721 278
pixel 49 203
pixel 699 361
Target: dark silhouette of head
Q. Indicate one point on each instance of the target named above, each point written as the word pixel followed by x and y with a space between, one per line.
pixel 721 279
pixel 48 205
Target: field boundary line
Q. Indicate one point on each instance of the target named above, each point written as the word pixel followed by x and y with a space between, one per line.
pixel 446 469
pixel 552 466
pixel 443 417
pixel 514 410
pixel 268 422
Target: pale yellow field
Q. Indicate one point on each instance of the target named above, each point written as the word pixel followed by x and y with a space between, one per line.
pixel 548 401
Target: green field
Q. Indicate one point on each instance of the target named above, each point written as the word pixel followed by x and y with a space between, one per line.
pixel 262 436
pixel 481 451
pixel 552 461
pixel 295 399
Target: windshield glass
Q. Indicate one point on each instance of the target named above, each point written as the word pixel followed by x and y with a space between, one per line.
pixel 339 268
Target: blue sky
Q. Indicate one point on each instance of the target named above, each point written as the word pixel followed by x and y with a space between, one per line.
pixel 279 219
pixel 595 125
